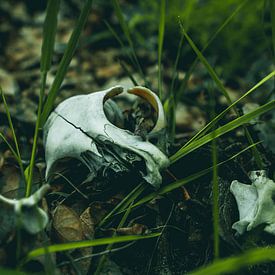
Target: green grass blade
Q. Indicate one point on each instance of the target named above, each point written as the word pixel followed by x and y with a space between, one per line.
pixel 122 64
pixel 29 169
pixel 119 40
pixel 175 72
pixel 109 247
pixel 76 245
pixel 127 72
pixel 10 147
pixel 170 103
pixel 172 186
pixel 125 202
pixel 215 185
pixel 170 112
pixel 222 130
pixel 160 45
pixel 66 60
pixel 272 15
pixel 213 37
pixel 209 68
pixel 126 32
pixel 215 207
pixel 214 121
pixel 122 22
pixel 116 36
pixel 15 152
pixel 5 271
pixel 232 264
pixel 219 84
pixel 49 31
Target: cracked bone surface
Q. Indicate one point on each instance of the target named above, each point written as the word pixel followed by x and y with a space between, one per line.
pixel 78 128
pixel 255 203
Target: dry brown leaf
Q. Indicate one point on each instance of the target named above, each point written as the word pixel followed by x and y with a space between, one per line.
pixel 99 210
pixel 135 229
pixel 10 181
pixel 67 224
pixel 87 223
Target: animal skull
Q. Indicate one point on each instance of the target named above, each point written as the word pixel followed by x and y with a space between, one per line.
pixel 78 128
pixel 255 203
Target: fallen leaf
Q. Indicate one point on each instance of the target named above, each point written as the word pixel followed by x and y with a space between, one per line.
pixel 67 224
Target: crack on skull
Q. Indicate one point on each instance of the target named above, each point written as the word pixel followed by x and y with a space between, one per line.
pixel 85 133
pixel 102 141
pixel 76 127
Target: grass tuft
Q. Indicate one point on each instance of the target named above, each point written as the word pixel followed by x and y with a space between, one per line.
pixel 222 130
pixel 66 60
pixel 15 152
pixel 126 32
pixel 76 245
pixel 49 32
pixel 235 263
pixel 160 45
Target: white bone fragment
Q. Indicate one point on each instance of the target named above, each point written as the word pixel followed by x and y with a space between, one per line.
pixel 79 128
pixel 256 203
pixel 31 217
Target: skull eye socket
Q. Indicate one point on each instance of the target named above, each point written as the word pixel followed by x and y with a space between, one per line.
pixel 141 117
pixel 155 102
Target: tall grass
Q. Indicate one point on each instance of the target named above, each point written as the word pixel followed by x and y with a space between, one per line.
pixel 232 264
pixel 221 87
pixel 272 15
pixel 215 184
pixel 170 103
pixel 222 130
pixel 160 45
pixel 82 244
pixel 174 96
pixel 227 21
pixel 16 151
pixel 202 137
pixel 66 60
pixel 49 32
pixel 109 247
pixel 177 184
pixel 126 32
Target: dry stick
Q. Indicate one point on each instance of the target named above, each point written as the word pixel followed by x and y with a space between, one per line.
pixel 75 187
pixel 186 195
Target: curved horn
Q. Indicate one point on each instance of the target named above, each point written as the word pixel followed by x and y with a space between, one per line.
pixel 114 91
pixel 155 102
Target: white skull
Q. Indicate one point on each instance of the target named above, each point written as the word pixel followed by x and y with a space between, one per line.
pixel 255 203
pixel 78 128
